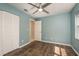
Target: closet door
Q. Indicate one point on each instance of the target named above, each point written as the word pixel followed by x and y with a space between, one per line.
pixel 10 24
pixel 15 31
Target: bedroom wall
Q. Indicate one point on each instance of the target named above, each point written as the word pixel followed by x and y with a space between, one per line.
pixel 56 28
pixel 74 41
pixel 24 21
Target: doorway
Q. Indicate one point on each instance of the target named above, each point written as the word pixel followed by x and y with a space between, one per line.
pixel 35 30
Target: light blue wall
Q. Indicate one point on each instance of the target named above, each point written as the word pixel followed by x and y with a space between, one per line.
pixel 24 21
pixel 56 28
pixel 75 42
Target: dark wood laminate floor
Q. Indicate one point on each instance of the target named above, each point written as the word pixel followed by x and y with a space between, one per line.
pixel 38 48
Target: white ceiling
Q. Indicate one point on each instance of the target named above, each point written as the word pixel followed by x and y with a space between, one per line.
pixel 53 9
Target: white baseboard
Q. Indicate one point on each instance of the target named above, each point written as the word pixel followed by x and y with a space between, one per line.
pixel 63 44
pixel 24 45
pixel 19 47
pixel 56 43
pixel 75 50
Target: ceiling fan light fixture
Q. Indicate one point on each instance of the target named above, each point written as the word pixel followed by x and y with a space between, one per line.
pixel 40 9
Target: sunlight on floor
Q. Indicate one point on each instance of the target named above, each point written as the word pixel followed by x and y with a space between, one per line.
pixel 59 51
pixel 56 53
pixel 63 52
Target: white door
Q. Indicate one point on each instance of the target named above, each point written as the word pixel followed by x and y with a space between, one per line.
pixel 33 30
pixel 38 30
pixel 10 30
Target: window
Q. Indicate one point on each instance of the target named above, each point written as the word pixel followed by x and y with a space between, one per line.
pixel 77 26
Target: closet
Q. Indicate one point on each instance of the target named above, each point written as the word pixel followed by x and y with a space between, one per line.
pixel 9 32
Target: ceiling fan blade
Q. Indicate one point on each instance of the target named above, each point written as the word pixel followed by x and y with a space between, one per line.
pixel 45 11
pixel 35 11
pixel 25 10
pixel 33 5
pixel 45 5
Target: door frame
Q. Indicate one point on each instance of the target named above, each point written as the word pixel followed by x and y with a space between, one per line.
pixel 31 19
pixel 30 38
pixel 36 23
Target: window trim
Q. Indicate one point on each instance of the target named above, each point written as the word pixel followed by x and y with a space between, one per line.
pixel 76 25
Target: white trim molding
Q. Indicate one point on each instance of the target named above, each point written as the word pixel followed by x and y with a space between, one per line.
pixel 27 44
pixel 74 50
pixel 56 43
pixel 63 44
pixel 24 45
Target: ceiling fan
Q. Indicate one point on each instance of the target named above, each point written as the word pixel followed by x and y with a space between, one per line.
pixel 40 8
